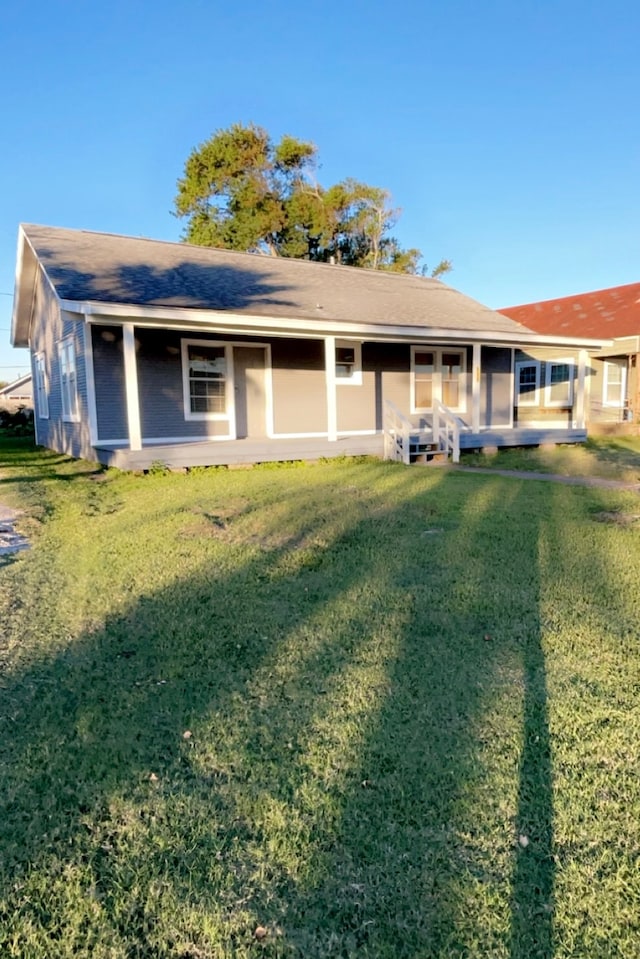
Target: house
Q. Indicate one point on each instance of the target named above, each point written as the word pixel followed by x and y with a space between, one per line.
pixel 145 351
pixel 17 393
pixel 613 386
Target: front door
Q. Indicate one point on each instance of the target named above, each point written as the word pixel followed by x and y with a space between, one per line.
pixel 438 374
pixel 249 363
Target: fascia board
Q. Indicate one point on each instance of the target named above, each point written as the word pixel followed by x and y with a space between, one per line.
pixel 19 336
pixel 219 321
pixel 27 267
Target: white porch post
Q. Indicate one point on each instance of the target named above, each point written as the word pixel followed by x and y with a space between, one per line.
pixel 91 385
pixel 330 369
pixel 475 388
pixel 131 386
pixel 580 410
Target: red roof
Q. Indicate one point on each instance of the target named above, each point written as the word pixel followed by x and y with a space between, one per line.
pixel 603 314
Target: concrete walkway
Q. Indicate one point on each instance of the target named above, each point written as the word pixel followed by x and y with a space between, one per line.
pixel 10 541
pixel 597 481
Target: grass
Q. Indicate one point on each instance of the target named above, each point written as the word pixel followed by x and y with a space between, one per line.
pixel 607 457
pixel 340 710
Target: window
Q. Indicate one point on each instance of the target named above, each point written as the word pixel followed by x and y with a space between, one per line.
pixel 42 399
pixel 559 383
pixel 424 365
pixel 528 383
pixel 438 374
pixel 614 384
pixel 205 379
pixel 451 368
pixel 348 362
pixel 68 382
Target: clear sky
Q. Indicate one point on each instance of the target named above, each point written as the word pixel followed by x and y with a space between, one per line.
pixel 506 130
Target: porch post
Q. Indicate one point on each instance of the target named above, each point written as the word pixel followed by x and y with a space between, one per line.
pixel 580 399
pixel 131 386
pixel 330 370
pixel 475 388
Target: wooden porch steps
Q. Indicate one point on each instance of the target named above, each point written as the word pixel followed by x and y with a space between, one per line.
pixel 424 452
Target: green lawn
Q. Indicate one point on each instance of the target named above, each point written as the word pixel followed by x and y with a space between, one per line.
pixel 611 457
pixel 350 709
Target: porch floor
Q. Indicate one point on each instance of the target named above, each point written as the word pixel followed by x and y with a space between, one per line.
pixel 237 452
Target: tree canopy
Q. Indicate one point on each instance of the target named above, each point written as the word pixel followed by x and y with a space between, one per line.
pixel 242 191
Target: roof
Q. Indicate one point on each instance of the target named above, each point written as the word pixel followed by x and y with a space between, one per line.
pixel 21 387
pixel 109 269
pixel 607 314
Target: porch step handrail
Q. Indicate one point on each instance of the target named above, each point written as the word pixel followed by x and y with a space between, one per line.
pixel 446 430
pixel 397 434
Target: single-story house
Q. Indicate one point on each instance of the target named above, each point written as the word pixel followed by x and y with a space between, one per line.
pixel 17 393
pixel 613 315
pixel 146 351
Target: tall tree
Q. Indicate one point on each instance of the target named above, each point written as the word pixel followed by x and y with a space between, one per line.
pixel 242 191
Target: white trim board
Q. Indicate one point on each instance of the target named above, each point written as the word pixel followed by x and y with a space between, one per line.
pixel 239 323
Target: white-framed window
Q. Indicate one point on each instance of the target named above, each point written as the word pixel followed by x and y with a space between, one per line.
pixel 41 393
pixel 527 383
pixel 348 363
pixel 614 384
pixel 68 380
pixel 439 374
pixel 206 367
pixel 558 390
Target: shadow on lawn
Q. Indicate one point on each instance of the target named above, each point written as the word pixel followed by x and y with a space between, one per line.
pixel 333 789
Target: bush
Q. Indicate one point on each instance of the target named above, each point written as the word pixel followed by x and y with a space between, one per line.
pixel 17 420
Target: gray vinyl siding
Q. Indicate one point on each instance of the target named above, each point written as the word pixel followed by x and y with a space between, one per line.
pixel 159 361
pixel 496 386
pixel 50 326
pixel 393 363
pixel 359 407
pixel 299 386
pixel 598 412
pixel 108 374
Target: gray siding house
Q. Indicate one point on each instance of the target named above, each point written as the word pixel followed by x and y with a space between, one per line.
pixel 145 351
pixel 613 375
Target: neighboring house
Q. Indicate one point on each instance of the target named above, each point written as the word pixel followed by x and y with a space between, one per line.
pixel 145 351
pixel 613 385
pixel 18 393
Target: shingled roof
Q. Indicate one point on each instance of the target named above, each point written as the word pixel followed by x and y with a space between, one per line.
pixel 603 314
pixel 104 268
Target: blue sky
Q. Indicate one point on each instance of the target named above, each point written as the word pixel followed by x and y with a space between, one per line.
pixel 507 131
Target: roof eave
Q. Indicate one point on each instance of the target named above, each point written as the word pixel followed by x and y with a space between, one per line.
pixel 94 311
pixel 22 291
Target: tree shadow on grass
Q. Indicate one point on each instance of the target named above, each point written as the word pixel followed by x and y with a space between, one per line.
pixel 302 742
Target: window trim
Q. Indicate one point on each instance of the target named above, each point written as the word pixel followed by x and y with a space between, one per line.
pixel 437 376
pixel 67 356
pixel 535 396
pixel 355 379
pixel 40 383
pixel 559 404
pixel 186 382
pixel 605 385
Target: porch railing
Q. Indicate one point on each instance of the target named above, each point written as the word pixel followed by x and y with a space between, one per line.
pixel 404 442
pixel 397 434
pixel 446 430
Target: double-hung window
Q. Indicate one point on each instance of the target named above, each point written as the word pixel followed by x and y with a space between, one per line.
pixel 205 378
pixel 348 362
pixel 614 384
pixel 68 380
pixel 438 374
pixel 42 398
pixel 559 383
pixel 528 383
